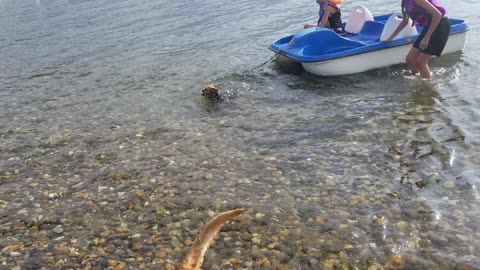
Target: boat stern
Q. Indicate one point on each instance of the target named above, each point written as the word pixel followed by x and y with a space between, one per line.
pixel 279 46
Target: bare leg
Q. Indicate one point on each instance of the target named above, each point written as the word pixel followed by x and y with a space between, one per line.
pixel 411 59
pixel 422 64
pixel 309 26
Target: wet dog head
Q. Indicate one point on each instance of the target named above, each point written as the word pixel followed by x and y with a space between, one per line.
pixel 210 91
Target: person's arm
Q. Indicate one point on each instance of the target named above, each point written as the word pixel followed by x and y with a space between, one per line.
pixel 436 17
pixel 306 26
pixel 328 10
pixel 399 28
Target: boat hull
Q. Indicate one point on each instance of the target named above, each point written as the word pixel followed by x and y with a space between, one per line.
pixel 323 52
pixel 374 59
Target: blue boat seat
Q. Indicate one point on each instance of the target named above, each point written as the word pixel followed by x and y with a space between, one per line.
pixel 371 31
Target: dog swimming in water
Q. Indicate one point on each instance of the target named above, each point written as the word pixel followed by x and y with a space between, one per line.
pixel 194 258
pixel 210 91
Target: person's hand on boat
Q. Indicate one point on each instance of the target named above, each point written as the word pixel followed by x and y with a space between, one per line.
pixel 387 40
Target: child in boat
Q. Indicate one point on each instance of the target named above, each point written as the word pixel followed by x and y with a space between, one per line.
pixel 329 15
pixel 432 40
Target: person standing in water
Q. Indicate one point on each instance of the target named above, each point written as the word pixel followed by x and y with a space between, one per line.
pixel 431 42
pixel 329 15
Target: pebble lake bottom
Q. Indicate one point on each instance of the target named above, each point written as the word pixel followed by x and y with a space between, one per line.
pixel 111 158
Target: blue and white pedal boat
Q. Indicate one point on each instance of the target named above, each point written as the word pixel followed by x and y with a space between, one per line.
pixel 324 52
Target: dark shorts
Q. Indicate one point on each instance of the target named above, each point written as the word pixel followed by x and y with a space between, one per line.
pixel 438 40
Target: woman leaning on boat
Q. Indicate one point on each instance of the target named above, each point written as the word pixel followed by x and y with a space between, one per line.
pixel 431 15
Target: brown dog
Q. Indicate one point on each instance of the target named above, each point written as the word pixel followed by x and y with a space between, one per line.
pixel 211 91
pixel 194 258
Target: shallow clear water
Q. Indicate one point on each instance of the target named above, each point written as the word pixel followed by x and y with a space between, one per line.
pixel 109 152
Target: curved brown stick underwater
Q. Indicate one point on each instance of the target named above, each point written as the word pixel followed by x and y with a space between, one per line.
pixel 194 258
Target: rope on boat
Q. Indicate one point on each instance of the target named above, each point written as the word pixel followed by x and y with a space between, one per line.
pixel 221 82
pixel 263 64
